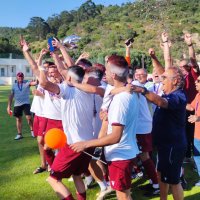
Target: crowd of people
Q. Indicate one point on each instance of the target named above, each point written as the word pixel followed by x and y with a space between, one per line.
pixel 114 120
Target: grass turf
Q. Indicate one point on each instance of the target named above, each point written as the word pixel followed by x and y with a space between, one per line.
pixel 18 160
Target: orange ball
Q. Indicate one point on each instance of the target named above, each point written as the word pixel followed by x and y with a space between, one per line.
pixel 55 138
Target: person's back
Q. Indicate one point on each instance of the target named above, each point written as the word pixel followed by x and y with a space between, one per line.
pixel 77 113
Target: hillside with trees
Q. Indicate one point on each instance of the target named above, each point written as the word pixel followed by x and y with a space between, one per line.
pixel 103 30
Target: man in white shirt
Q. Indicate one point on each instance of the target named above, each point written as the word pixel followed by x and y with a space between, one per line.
pixel 120 140
pixel 77 116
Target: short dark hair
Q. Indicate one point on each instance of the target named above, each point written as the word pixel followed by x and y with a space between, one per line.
pixel 95 71
pixel 49 62
pixel 84 62
pixel 78 71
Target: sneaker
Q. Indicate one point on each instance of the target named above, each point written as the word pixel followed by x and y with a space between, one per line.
pixel 18 137
pixel 88 181
pixel 197 184
pixel 32 134
pixel 102 194
pixel 153 192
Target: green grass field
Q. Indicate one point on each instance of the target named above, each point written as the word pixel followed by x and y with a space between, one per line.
pixel 18 160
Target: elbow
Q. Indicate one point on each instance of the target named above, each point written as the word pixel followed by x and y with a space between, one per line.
pixel 43 84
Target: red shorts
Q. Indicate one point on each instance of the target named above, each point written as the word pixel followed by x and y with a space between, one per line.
pixel 52 123
pixel 144 142
pixel 39 125
pixel 67 162
pixel 120 174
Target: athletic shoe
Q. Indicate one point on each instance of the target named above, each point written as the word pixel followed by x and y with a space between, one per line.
pixel 137 175
pixel 18 137
pixel 152 192
pixel 32 134
pixel 197 184
pixel 102 194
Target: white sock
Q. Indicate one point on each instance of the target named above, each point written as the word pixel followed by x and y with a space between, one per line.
pixel 88 180
pixel 102 185
pixel 155 186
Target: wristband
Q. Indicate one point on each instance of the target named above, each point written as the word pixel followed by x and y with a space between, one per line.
pixel 189 45
pixel 165 41
pixel 145 91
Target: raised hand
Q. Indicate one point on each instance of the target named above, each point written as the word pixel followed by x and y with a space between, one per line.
pixel 56 43
pixel 164 37
pixel 152 52
pixel 24 45
pixel 188 39
pixel 84 55
pixel 44 52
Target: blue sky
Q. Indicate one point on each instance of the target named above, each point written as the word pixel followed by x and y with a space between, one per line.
pixel 17 13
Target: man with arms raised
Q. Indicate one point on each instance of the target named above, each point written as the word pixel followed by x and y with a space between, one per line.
pixel 120 143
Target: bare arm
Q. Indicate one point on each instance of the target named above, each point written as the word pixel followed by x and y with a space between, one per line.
pixel 155 62
pixel 109 139
pixel 60 66
pixel 84 55
pixel 128 52
pixel 152 97
pixel 166 51
pixel 10 99
pixel 28 57
pixel 67 58
pixel 104 128
pixel 42 53
pixel 89 88
pixel 189 107
pixel 46 84
pixel 192 56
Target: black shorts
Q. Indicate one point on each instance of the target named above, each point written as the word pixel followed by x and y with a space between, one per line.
pixel 170 160
pixel 18 110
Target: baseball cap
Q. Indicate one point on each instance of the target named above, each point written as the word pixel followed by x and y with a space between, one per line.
pixel 20 74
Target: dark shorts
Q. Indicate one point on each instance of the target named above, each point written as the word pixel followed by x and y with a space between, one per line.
pixel 144 142
pixel 120 174
pixel 67 162
pixel 53 123
pixel 39 125
pixel 170 160
pixel 18 110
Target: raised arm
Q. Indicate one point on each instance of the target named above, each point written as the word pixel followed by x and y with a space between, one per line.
pixel 46 84
pixel 67 58
pixel 89 88
pixel 155 62
pixel 166 51
pixel 28 57
pixel 60 66
pixel 42 53
pixel 192 56
pixel 84 55
pixel 128 44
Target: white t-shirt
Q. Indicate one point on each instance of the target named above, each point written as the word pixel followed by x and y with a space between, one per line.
pixel 52 106
pixel 38 103
pixel 123 110
pixel 107 97
pixel 77 113
pixel 98 100
pixel 144 124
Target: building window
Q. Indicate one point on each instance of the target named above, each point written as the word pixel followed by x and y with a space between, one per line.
pixel 12 69
pixel 27 70
pixel 2 72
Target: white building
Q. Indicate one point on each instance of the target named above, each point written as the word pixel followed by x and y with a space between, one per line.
pixel 9 67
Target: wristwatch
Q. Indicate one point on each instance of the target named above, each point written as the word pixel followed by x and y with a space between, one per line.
pixel 145 91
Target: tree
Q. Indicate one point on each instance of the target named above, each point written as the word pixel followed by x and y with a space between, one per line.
pixel 38 28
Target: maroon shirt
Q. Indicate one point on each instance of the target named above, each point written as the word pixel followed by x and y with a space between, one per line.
pixel 189 88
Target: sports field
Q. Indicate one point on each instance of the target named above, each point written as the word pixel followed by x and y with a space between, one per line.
pixel 18 160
